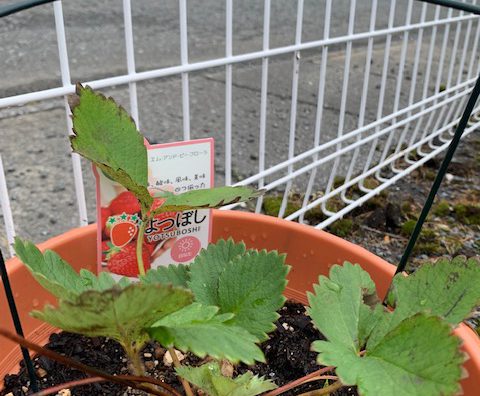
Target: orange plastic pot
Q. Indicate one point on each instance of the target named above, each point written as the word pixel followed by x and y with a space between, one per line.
pixel 310 252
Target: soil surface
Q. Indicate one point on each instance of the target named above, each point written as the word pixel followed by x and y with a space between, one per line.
pixel 287 352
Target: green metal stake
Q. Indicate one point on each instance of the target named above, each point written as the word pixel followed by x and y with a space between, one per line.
pixel 17 323
pixel 21 5
pixel 440 175
pixel 474 9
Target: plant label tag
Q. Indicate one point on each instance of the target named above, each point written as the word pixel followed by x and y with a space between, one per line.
pixel 170 237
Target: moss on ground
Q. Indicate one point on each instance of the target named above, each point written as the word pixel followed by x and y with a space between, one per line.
pixel 315 215
pixel 408 208
pixel 371 183
pixel 427 243
pixel 426 234
pixel 338 181
pixel 430 174
pixel 342 227
pixel 441 209
pixel 408 227
pixel 428 248
pixel 271 206
pixel 466 213
pixel 334 204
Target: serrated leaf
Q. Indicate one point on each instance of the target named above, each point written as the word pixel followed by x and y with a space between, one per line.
pixel 337 305
pixel 105 134
pixel 103 281
pixel 447 288
pixel 248 284
pixel 201 330
pixel 252 288
pixel 122 177
pixel 50 270
pixel 204 199
pixel 369 320
pixel 58 277
pixel 117 313
pixel 419 357
pixel 174 274
pixel 207 267
pixel 208 377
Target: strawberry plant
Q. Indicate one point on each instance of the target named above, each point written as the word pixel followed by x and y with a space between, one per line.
pixel 174 313
pixel 184 306
pixel 406 350
pixel 223 304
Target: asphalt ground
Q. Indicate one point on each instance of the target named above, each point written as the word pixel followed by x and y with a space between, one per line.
pixel 33 138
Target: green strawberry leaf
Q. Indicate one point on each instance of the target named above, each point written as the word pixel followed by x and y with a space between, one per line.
pixel 201 330
pixel 419 357
pixel 176 275
pixel 50 270
pixel 417 350
pixel 58 277
pixel 121 314
pixel 448 289
pixel 337 306
pixel 103 281
pixel 207 267
pixel 105 134
pixel 208 378
pixel 248 284
pixel 205 199
pixel 252 288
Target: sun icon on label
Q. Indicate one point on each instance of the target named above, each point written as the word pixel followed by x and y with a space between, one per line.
pixel 185 245
pixel 185 249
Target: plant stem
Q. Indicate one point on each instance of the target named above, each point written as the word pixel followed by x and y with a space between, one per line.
pixel 68 385
pixel 322 377
pixel 126 380
pixel 141 232
pixel 133 354
pixel 176 363
pixel 299 381
pixel 324 391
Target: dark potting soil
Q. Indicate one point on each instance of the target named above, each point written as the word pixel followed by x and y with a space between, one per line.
pixel 287 352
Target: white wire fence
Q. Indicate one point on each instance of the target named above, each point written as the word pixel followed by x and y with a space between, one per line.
pixel 365 93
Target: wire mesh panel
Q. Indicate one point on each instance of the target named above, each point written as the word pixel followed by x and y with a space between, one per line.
pixel 328 101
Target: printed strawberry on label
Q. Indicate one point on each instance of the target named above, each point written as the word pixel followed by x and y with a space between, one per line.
pixel 121 229
pixel 125 202
pixel 122 233
pixel 123 261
